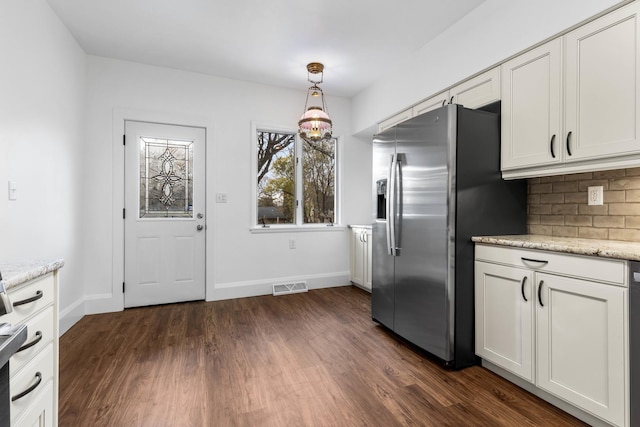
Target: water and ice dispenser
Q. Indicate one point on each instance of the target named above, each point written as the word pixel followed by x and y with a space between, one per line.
pixel 381 199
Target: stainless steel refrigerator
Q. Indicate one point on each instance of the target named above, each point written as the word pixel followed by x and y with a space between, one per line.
pixel 436 183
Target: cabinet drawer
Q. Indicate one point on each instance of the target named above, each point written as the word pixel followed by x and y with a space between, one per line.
pixel 40 291
pixel 607 270
pixel 40 413
pixel 40 332
pixel 28 377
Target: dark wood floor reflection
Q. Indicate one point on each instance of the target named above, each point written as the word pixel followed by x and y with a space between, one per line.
pixel 311 359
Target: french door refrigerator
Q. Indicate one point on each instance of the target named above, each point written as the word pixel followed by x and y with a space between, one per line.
pixel 436 183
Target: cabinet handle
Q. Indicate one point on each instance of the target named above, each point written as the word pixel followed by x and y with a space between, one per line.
pixel 553 141
pixel 451 100
pixel 540 293
pixel 30 389
pixel 534 260
pixel 35 341
pixel 569 143
pixel 38 295
pixel 524 279
pixel 444 101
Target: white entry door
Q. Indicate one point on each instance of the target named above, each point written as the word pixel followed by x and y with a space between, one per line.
pixel 164 214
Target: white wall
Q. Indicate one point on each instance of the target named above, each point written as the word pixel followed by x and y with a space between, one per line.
pixel 42 78
pixel 491 33
pixel 239 263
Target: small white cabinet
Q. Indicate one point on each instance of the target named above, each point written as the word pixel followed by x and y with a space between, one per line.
pixel 360 254
pixel 559 321
pixel 571 105
pixel 475 92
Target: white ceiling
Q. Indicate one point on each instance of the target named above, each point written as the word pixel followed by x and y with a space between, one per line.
pixel 263 41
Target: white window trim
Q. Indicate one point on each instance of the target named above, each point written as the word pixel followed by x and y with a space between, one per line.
pixel 299 226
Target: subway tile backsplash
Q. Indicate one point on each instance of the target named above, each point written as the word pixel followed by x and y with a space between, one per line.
pixel 557 205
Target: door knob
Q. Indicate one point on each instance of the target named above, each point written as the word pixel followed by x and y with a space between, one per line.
pixel 200 227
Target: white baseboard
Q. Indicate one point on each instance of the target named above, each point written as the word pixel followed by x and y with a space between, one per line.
pixel 102 303
pixel 253 288
pixel 108 303
pixel 70 316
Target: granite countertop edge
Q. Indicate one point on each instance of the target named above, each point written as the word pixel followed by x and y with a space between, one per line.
pixel 369 226
pixel 18 272
pixel 593 247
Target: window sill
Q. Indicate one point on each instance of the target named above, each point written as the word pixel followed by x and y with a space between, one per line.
pixel 296 228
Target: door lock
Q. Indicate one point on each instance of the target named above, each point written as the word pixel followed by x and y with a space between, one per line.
pixel 200 216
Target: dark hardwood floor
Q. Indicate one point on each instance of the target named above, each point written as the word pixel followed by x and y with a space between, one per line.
pixel 311 359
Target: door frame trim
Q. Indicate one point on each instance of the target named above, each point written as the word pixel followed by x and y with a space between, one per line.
pixel 118 129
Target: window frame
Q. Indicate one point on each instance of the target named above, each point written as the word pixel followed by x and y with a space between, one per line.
pixel 298 224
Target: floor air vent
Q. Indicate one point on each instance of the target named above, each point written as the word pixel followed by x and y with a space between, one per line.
pixel 289 288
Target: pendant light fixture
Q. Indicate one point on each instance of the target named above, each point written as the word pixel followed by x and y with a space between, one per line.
pixel 315 124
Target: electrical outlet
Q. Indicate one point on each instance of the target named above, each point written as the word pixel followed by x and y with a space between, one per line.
pixel 292 243
pixel 595 195
pixel 221 197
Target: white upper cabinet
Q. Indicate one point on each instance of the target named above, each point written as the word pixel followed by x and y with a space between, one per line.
pixel 531 113
pixel 394 120
pixel 436 101
pixel 478 91
pixel 475 92
pixel 571 105
pixel 602 87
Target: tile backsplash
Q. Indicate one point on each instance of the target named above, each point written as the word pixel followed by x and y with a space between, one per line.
pixel 557 205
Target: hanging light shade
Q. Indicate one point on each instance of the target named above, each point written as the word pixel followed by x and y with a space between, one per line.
pixel 315 124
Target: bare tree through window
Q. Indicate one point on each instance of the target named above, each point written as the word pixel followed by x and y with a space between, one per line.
pixel 278 192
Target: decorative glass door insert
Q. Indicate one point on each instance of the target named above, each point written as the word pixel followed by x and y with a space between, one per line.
pixel 166 178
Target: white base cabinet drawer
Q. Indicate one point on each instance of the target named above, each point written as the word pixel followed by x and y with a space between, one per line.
pixel 31 298
pixel 33 376
pixel 40 333
pixel 40 413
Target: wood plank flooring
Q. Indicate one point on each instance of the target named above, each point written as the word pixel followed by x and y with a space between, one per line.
pixel 310 359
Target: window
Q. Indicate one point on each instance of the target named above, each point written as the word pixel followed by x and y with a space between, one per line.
pixel 296 180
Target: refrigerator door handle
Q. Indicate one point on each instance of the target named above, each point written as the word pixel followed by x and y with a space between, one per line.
pixel 391 240
pixel 397 209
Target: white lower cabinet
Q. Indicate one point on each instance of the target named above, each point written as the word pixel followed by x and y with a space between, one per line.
pixel 558 321
pixel 33 370
pixel 360 254
pixel 504 317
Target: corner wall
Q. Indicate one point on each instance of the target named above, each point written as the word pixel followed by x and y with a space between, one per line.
pixel 42 82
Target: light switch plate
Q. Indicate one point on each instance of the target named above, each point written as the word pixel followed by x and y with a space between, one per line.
pixel 221 197
pixel 13 190
pixel 595 195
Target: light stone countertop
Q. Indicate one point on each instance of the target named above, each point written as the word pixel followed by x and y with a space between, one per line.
pixel 594 247
pixel 16 273
pixel 360 226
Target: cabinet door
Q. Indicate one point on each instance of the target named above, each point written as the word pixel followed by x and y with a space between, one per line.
pixel 357 256
pixel 394 120
pixel 432 103
pixel 531 112
pixel 41 412
pixel 478 91
pixel 581 353
pixel 504 322
pixel 602 87
pixel 368 257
